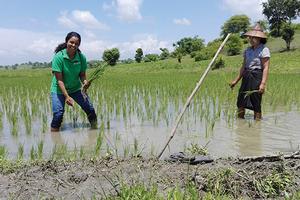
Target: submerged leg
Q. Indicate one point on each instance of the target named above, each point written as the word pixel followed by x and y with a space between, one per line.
pixel 257 116
pixel 241 113
pixel 87 106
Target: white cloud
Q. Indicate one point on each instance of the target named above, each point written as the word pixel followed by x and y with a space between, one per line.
pixel 66 21
pixel 148 42
pixel 79 18
pixel 19 46
pixel 127 10
pixel 22 46
pixel 251 8
pixel 182 21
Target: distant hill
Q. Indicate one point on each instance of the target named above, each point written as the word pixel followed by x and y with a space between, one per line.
pixel 278 44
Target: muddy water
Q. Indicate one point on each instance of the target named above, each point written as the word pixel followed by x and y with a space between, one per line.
pixel 277 132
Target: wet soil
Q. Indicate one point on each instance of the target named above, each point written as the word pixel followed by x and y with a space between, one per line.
pixel 85 179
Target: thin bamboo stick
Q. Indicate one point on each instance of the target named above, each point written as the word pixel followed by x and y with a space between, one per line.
pixel 193 94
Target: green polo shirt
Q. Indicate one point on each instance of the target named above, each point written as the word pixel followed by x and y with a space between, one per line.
pixel 70 70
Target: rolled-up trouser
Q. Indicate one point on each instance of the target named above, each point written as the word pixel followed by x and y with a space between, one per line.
pixel 58 107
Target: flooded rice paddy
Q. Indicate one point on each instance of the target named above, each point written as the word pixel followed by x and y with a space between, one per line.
pixel 137 112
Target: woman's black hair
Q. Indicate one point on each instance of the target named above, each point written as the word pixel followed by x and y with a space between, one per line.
pixel 263 40
pixel 64 45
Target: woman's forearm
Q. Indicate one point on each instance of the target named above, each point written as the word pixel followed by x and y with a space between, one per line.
pixel 266 64
pixel 63 88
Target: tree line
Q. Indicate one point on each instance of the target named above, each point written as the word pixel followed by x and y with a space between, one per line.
pixel 279 15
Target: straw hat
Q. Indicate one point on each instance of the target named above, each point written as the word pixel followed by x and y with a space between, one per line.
pixel 256 31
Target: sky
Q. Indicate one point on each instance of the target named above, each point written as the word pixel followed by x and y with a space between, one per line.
pixel 31 29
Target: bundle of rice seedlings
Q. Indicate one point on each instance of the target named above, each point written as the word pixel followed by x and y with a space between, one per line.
pixel 249 92
pixel 96 74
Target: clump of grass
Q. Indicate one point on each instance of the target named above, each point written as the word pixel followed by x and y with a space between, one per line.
pixel 137 192
pixel 220 183
pixel 274 184
pixel 196 149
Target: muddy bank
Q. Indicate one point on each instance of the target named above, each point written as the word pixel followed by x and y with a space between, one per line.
pixel 86 179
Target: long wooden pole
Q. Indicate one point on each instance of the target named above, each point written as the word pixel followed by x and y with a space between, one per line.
pixel 192 95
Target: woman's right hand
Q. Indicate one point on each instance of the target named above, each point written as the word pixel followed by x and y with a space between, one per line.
pixel 232 84
pixel 70 101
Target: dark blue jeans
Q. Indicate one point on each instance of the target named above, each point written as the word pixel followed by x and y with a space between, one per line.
pixel 58 108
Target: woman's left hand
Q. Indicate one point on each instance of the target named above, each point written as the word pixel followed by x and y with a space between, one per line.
pixel 86 85
pixel 261 88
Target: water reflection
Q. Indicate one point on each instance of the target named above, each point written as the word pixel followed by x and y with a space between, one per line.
pixel 248 137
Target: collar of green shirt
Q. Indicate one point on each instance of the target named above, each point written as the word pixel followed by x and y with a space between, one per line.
pixel 66 56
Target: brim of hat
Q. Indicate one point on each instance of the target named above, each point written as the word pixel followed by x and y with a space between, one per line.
pixel 256 34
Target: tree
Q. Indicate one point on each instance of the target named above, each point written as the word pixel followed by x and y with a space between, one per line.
pixel 164 53
pixel 188 45
pixel 151 57
pixel 287 34
pixel 177 54
pixel 234 45
pixel 139 55
pixel 111 56
pixel 236 24
pixel 279 12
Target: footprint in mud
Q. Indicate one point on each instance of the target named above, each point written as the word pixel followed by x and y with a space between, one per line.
pixel 78 178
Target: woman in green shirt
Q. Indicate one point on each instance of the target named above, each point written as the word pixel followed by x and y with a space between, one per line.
pixel 69 75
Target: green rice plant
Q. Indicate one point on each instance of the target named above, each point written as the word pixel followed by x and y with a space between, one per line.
pixel 33 154
pixel 109 152
pixel 60 152
pixel 20 152
pixel 44 123
pixel 3 152
pixel 81 153
pixel 40 149
pixel 99 143
pixel 126 150
pixel 136 151
pixel 14 124
pixel 1 120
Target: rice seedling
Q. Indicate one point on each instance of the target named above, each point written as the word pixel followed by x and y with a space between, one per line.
pixel 40 149
pixel 33 154
pixel 81 153
pixel 20 152
pixel 99 143
pixel 3 152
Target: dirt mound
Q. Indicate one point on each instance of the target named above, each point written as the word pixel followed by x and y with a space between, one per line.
pixel 102 178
